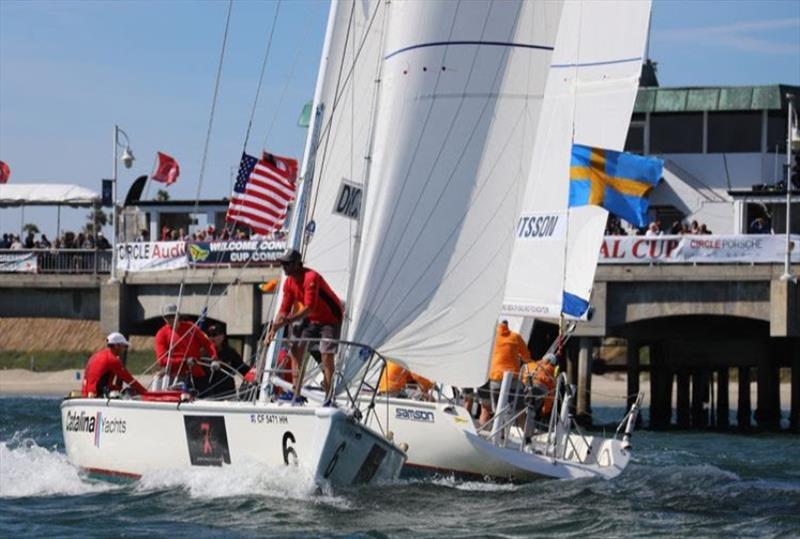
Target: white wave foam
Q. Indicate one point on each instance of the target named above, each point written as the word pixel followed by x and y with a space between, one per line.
pixel 477 486
pixel 27 469
pixel 241 479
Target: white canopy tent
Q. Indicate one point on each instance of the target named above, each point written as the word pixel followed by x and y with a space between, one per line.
pixel 46 194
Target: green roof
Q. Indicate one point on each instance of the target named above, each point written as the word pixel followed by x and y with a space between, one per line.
pixel 716 98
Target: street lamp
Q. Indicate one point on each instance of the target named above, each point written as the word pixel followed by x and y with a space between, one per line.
pixel 787 266
pixel 127 160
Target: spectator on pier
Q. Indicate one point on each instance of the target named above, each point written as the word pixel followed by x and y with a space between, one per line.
pixel 677 228
pixel 105 370
pixel 704 229
pixel 654 229
pixel 759 226
pixel 144 235
pixel 178 349
pixel 16 244
pixel 510 351
pixel 43 243
pixel 5 242
pixel 102 242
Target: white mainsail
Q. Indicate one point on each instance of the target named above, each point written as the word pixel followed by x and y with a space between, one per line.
pixel 588 100
pixel 460 100
pixel 346 93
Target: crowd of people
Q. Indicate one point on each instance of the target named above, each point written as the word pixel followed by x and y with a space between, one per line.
pixel 614 227
pixel 68 240
pixel 210 234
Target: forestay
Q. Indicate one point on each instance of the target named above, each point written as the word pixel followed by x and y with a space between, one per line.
pixel 589 100
pixel 459 103
pixel 347 91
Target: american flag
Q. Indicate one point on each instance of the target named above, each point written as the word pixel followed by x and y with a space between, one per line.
pixel 262 192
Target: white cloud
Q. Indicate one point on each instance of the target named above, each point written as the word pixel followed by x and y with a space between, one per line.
pixel 749 36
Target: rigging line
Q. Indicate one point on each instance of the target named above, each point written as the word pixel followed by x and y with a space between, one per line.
pixel 337 97
pixel 261 76
pixel 208 136
pixel 423 129
pixel 300 47
pixel 319 171
pixel 213 106
pixel 572 143
pixel 382 279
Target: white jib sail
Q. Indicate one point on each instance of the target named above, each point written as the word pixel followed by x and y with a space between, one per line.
pixel 589 99
pixel 347 91
pixel 457 115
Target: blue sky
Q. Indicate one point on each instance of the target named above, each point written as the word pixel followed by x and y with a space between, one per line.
pixel 70 70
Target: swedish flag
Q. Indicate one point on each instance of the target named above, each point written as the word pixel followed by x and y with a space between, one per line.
pixel 617 181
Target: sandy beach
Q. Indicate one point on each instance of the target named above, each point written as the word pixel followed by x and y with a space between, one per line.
pixel 607 390
pixel 55 383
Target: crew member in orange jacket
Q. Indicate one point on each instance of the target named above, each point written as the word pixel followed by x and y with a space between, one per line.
pixel 105 371
pixel 542 376
pixel 395 379
pixel 177 350
pixel 509 352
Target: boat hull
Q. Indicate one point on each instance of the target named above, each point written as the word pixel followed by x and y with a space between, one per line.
pixel 129 438
pixel 442 439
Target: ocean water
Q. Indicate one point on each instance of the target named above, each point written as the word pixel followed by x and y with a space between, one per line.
pixel 679 484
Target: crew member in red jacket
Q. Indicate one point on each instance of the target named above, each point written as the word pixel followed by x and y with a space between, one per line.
pixel 178 349
pixel 105 371
pixel 322 309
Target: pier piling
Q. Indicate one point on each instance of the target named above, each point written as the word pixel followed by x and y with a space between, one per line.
pixel 723 404
pixel 768 412
pixel 699 399
pixel 744 410
pixel 683 403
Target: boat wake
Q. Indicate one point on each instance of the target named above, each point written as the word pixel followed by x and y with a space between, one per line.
pixel 27 469
pixel 244 480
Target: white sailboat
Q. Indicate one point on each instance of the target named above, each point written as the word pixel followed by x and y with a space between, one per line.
pixel 589 98
pixel 131 436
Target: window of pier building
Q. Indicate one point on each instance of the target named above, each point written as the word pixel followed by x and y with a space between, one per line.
pixel 735 132
pixel 634 142
pixel 676 132
pixel 776 131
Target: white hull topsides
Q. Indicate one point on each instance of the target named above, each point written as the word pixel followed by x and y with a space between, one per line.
pixel 130 438
pixel 442 438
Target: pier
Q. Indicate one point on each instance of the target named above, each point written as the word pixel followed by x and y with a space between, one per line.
pixel 690 329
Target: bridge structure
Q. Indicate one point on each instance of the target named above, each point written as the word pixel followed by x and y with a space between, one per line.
pixel 690 327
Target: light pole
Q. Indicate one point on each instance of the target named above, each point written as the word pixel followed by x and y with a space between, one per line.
pixel 787 265
pixel 127 160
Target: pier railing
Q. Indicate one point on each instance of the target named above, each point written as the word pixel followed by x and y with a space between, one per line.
pixel 160 256
pixel 75 261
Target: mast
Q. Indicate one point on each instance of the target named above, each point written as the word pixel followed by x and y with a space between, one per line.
pixel 296 231
pixel 365 182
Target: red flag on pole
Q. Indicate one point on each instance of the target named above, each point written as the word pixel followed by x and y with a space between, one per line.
pixel 5 172
pixel 167 170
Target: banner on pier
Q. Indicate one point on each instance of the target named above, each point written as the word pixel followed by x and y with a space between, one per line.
pixel 151 256
pixel 18 263
pixel 235 253
pixel 696 249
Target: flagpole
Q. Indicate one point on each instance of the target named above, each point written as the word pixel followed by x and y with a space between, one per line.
pixel 787 273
